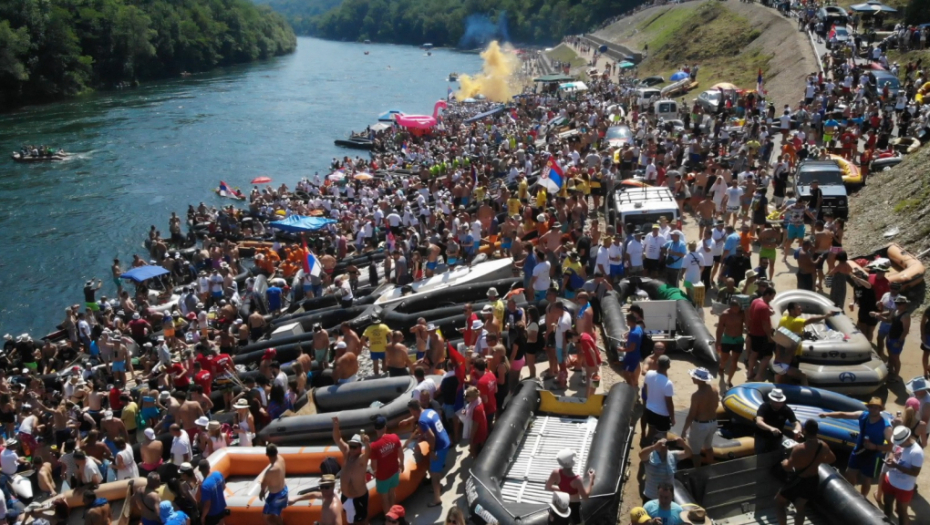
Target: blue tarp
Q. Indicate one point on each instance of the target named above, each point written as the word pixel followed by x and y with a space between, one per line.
pixel 299 223
pixel 486 114
pixel 143 273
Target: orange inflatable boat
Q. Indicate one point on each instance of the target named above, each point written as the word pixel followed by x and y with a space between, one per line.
pixel 243 467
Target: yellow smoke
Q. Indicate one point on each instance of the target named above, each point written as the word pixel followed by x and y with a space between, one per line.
pixel 496 78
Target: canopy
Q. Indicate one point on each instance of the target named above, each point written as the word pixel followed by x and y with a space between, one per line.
pixel 554 78
pixel 388 116
pixel 143 273
pixel 725 86
pixel 486 114
pixel 626 65
pixel 380 126
pixel 679 75
pixel 573 87
pixel 299 223
pixel 261 180
pixel 873 6
pixel 363 176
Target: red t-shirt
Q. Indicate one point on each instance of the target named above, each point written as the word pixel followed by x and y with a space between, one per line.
pixel 758 313
pixel 206 362
pixel 221 364
pixel 115 403
pixel 181 380
pixel 480 420
pixel 137 327
pixel 589 350
pixel 384 451
pixel 487 386
pixel 879 286
pixel 204 379
pixel 470 335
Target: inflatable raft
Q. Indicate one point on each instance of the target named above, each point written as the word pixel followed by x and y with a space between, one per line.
pixel 725 448
pixel 507 481
pixel 480 273
pixel 742 402
pixel 852 175
pixel 837 340
pixel 356 404
pixel 243 467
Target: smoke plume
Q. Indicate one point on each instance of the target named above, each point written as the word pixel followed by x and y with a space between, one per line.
pixel 496 81
pixel 479 30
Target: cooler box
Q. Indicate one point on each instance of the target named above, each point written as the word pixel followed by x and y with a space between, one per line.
pixel 744 301
pixel 786 338
pixel 288 329
pixel 697 294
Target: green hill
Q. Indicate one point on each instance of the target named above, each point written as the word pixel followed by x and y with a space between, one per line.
pixel 57 48
pixel 300 13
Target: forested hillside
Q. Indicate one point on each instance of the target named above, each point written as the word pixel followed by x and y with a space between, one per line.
pixel 56 48
pixel 445 22
pixel 300 13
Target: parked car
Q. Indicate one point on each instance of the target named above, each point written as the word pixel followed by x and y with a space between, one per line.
pixel 832 15
pixel 883 78
pixel 651 81
pixel 710 100
pixel 617 136
pixel 829 177
pixel 842 37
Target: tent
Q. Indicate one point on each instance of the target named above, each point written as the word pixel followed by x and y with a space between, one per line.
pixel 486 114
pixel 679 75
pixel 143 273
pixel 573 87
pixel 299 223
pixel 873 6
pixel 554 78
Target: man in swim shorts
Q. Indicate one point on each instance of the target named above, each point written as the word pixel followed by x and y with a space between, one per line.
pixel 355 453
pixel 632 356
pixel 376 338
pixel 274 490
pixel 730 341
pixel 702 417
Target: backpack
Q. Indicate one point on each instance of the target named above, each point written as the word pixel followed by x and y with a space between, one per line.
pixel 646 346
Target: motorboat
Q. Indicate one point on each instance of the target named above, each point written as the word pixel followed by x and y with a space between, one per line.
pixel 507 482
pixel 487 271
pixel 355 142
pixel 453 77
pixel 58 156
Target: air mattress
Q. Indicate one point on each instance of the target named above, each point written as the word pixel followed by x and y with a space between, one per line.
pixel 607 455
pixel 852 347
pixel 742 402
pixel 356 404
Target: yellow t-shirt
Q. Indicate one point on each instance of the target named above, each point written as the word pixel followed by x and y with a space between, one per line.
pixel 513 206
pixel 499 310
pixel 541 198
pixel 377 335
pixel 569 265
pixel 521 188
pixel 129 415
pixel 796 325
pixel 479 193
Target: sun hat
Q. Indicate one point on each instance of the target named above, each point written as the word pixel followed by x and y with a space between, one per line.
pixel 213 425
pixel 186 467
pixel 559 504
pixel 694 516
pixel 900 435
pixel 639 516
pixel 202 421
pixel 701 374
pixel 901 300
pixel 108 415
pixel 241 404
pixel 327 480
pixel 492 292
pixel 566 458
pixel 918 383
pixel 431 327
pixel 777 395
pixel 477 324
pixel 340 345
pixel 357 439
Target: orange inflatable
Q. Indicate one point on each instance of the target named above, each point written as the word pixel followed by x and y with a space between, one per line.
pixel 908 270
pixel 302 467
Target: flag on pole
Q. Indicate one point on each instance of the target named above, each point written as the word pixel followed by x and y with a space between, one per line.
pixel 224 187
pixel 448 92
pixel 311 265
pixel 403 148
pixel 760 85
pixel 551 177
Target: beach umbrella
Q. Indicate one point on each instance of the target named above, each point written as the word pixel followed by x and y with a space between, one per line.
pixel 261 180
pixel 626 65
pixel 679 75
pixel 336 176
pixel 363 176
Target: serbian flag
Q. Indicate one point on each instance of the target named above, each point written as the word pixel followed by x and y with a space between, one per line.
pixel 760 85
pixel 459 361
pixel 224 187
pixel 311 265
pixel 448 92
pixel 551 177
pixel 403 148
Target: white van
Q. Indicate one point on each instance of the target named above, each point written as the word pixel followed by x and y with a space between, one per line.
pixel 645 96
pixel 641 207
pixel 666 109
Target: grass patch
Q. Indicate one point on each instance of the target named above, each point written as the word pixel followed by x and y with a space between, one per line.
pixel 563 53
pixel 711 36
pixel 902 59
pixel 906 205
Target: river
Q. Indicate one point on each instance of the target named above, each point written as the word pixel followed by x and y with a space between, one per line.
pixel 143 153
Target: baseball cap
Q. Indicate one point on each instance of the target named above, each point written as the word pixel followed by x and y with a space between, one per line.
pixel 638 516
pixel 380 422
pixel 150 433
pixel 396 513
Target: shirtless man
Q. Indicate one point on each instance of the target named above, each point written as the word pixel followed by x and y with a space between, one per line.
pixel 823 242
pixel 147 500
pixel 331 513
pixel 354 489
pixel 272 481
pixel 188 413
pixel 396 358
pixel 320 346
pixel 98 512
pixel 421 335
pixel 551 242
pixel 435 347
pixel 112 428
pixel 256 326
pixel 120 359
pixel 705 212
pixel 432 258
pixel 804 460
pixel 351 339
pixel 768 238
pixel 345 369
pixel 152 452
pixel 702 417
pixel 730 341
pixel 584 322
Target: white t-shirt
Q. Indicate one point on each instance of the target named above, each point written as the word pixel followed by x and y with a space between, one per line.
pixel 653 246
pixel 281 379
pixel 733 196
pixel 130 470
pixel 911 456
pixel 603 258
pixel 658 387
pixel 563 325
pixel 91 470
pixel 542 271
pixel 9 461
pixel 180 447
pixel 692 264
pixel 634 249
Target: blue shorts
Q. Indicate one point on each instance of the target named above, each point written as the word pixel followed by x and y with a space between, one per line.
pixel 438 464
pixel 569 294
pixel 119 366
pixel 630 362
pixel 895 346
pixel 506 245
pixel 616 269
pixel 868 463
pixel 558 354
pixel 431 265
pixel 448 411
pixel 539 295
pixel 377 355
pixel 420 355
pixel 795 231
pixel 383 486
pixel 884 328
pixel 110 445
pixel 275 502
pixel 451 261
pixel 217 295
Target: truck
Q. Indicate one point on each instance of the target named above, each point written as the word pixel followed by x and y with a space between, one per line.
pixel 829 177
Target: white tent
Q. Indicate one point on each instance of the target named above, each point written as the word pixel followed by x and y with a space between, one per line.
pixel 573 87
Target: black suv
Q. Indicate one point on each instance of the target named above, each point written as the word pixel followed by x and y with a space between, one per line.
pixel 829 178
